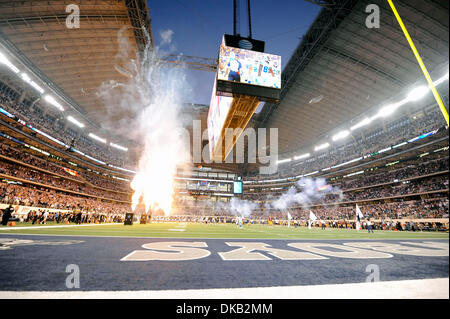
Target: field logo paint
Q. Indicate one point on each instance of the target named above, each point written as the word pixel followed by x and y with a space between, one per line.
pixel 182 251
pixel 73 280
pixel 374 271
pixel 178 251
pixel 373 19
pixel 9 243
pixel 73 19
pixel 342 251
pixel 426 249
pixel 247 252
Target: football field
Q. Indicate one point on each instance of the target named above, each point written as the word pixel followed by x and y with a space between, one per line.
pixel 187 260
pixel 197 230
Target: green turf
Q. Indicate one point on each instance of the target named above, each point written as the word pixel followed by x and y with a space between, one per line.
pixel 192 230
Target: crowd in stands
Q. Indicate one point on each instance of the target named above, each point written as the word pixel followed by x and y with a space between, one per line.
pixel 413 187
pixel 426 208
pixel 364 143
pixel 52 180
pixel 55 125
pixel 411 170
pixel 408 180
pixel 47 198
pixel 85 209
pixel 97 180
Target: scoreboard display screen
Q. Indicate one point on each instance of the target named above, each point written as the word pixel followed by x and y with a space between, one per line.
pixel 246 75
pixel 237 187
pixel 249 67
pixel 247 72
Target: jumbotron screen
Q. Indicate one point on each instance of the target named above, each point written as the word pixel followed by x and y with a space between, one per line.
pixel 237 187
pixel 249 67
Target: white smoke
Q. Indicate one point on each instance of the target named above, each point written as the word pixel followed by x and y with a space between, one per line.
pixel 166 36
pixel 149 106
pixel 313 191
pixel 241 207
pixel 306 192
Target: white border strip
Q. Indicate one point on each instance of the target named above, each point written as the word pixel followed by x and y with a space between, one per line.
pixel 404 289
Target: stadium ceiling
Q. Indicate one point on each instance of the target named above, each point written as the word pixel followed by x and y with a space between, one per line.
pixel 75 61
pixel 341 68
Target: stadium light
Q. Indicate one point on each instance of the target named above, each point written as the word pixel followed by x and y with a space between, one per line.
pixel 122 169
pixel 118 146
pixel 441 80
pixel 75 121
pixel 5 61
pixel 296 158
pixel 399 145
pixel 441 149
pixel 389 109
pixel 353 174
pixel 27 79
pixel 321 147
pixel 98 138
pixel 349 162
pixel 418 93
pixel 385 111
pixel 287 160
pixel 50 99
pixel 364 122
pixel 121 179
pixel 37 87
pixel 384 150
pixel 312 173
pixel 341 135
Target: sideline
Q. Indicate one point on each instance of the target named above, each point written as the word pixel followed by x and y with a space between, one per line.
pixel 404 289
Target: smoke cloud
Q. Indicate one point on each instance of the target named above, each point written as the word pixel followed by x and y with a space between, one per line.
pixel 313 191
pixel 241 207
pixel 149 105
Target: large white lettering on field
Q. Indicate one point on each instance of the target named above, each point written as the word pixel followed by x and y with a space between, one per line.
pixel 343 252
pixel 180 251
pixel 169 251
pixel 427 249
pixel 247 252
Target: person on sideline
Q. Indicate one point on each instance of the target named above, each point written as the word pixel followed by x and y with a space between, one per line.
pixel 369 226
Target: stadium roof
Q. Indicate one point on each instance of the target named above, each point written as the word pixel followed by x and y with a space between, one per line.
pixel 74 61
pixel 341 68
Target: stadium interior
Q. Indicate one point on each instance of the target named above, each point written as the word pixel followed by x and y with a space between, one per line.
pixel 356 121
pixel 385 166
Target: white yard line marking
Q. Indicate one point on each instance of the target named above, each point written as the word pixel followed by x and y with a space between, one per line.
pixel 403 289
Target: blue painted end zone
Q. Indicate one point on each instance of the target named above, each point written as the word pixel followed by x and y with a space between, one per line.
pixel 43 266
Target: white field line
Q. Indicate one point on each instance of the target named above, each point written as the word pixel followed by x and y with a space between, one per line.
pixel 55 226
pixel 404 289
pixel 179 227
